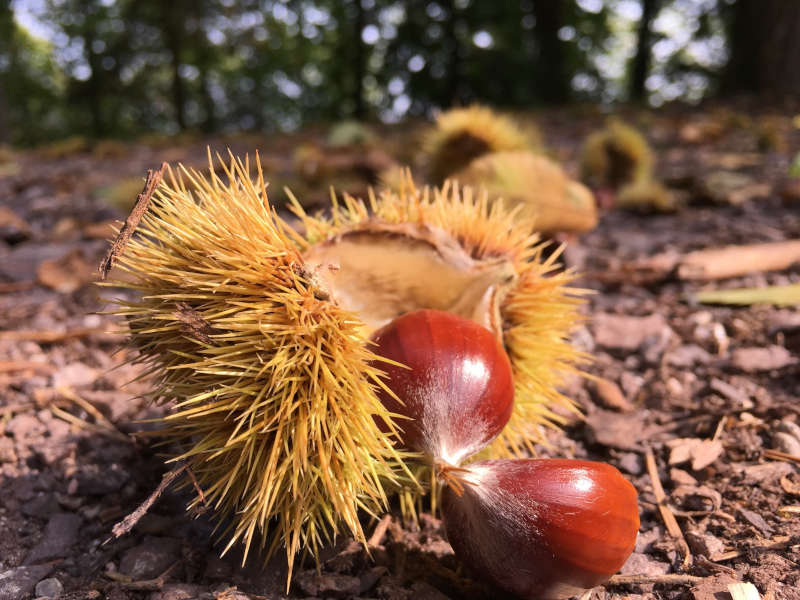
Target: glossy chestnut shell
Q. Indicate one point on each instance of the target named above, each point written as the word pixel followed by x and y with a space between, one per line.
pixel 542 528
pixel 457 391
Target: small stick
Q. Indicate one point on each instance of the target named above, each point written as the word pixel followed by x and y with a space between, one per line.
pixel 46 336
pixel 130 521
pixel 775 543
pixel 778 455
pixel 666 514
pixel 197 487
pixel 142 202
pixel 380 530
pixel 9 366
pixel 150 585
pixel 16 286
pixel 91 409
pixel 668 578
pixel 77 421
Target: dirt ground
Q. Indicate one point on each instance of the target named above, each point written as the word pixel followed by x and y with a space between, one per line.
pixel 706 391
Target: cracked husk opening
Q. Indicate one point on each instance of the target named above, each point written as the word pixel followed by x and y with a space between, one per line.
pixel 380 271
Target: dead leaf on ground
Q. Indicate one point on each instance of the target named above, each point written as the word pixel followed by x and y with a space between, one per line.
pixel 701 453
pixel 66 274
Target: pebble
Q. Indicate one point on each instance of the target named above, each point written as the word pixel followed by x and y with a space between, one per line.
pixel 704 543
pixel 786 443
pixel 178 591
pixel 20 582
pixel 60 534
pixel 150 558
pixel 622 332
pixel 642 564
pixel 761 359
pixel 49 588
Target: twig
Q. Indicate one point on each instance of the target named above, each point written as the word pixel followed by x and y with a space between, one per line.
pixel 101 419
pixel 9 366
pixel 130 521
pixel 778 455
pixel 16 286
pixel 83 424
pixel 380 530
pixel 47 336
pixel 142 202
pixel 666 514
pixel 775 543
pixel 12 408
pixel 197 487
pixel 150 585
pixel 668 578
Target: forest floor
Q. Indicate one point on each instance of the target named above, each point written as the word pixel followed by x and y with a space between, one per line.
pixel 701 392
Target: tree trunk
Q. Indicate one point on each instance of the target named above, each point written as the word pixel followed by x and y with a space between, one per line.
pixel 359 68
pixel 173 30
pixel 641 62
pixel 552 84
pixel 765 49
pixel 454 80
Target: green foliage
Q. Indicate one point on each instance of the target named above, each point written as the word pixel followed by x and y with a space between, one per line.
pixel 794 169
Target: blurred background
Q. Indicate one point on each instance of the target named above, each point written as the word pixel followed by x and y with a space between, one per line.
pixel 124 68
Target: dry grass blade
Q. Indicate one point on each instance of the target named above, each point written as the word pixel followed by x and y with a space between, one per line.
pixel 99 417
pixel 778 295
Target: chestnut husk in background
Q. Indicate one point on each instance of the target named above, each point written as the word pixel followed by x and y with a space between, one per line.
pixel 455 387
pixel 542 528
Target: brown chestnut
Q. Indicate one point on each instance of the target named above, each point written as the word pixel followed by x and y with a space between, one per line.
pixel 455 387
pixel 542 528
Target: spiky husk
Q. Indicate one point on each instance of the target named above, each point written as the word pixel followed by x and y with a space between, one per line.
pixel 463 134
pixel 538 313
pixel 646 195
pixel 616 155
pixel 273 399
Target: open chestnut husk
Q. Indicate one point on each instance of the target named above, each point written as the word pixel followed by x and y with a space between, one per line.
pixel 542 529
pixel 454 386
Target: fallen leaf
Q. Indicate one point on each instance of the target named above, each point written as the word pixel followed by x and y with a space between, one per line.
pixel 66 274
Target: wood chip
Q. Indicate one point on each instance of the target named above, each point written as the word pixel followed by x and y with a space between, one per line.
pixel 733 261
pixel 743 591
pixel 193 324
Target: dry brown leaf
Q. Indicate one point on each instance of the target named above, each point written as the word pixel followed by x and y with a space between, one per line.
pixel 66 274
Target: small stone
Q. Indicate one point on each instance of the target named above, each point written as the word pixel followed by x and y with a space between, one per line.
pixel 621 332
pixel 49 588
pixel 704 543
pixel 756 520
pixel 150 558
pixel 19 582
pixel 74 375
pixel 761 359
pixel 642 564
pixel 790 427
pixel 425 591
pixel 687 356
pixel 610 396
pixel 786 443
pixel 23 426
pixel 681 477
pixel 767 473
pixel 100 480
pixel 60 534
pixel 615 430
pixel 630 462
pixel 740 399
pixel 178 591
pixel 42 506
pixel 327 584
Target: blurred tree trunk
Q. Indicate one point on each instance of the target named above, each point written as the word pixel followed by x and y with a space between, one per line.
pixel 641 61
pixel 454 78
pixel 174 38
pixel 359 109
pixel 95 89
pixel 765 49
pixel 552 85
